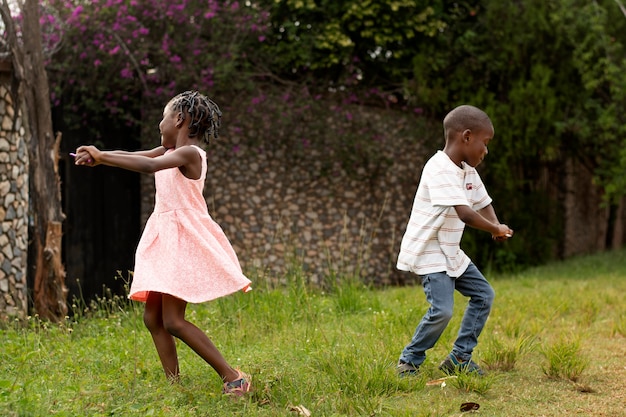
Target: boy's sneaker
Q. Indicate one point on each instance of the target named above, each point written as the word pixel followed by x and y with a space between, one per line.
pixel 406 369
pixel 452 365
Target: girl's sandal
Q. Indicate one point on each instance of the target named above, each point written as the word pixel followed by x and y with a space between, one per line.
pixel 239 387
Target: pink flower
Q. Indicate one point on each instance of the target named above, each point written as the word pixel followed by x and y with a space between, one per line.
pixel 126 73
pixel 115 50
pixel 258 100
pixel 77 11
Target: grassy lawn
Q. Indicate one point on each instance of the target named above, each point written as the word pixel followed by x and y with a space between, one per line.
pixel 555 345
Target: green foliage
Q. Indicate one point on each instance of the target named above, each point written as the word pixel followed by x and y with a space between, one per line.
pixel 551 75
pixel 120 58
pixel 344 43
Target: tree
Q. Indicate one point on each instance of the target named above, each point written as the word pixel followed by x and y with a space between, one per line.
pixel 122 60
pixel 350 43
pixel 552 76
pixel 48 274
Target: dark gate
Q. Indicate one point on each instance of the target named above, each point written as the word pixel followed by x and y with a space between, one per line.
pixel 102 226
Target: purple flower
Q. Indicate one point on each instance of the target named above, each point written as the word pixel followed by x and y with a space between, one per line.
pixel 126 73
pixel 258 100
pixel 76 12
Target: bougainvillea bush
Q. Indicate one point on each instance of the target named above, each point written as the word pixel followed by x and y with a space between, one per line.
pixel 118 58
pixel 117 62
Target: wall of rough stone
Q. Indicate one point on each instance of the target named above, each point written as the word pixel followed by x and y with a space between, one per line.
pixel 283 215
pixel 13 205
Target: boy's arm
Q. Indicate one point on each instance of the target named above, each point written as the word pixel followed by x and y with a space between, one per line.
pixel 479 221
pixel 489 213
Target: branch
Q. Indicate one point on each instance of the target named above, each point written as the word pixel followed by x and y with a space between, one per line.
pixel 621 6
pixel 273 77
pixel 132 59
pixel 14 51
pixel 11 34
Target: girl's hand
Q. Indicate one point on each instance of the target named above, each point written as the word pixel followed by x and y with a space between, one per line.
pixel 87 155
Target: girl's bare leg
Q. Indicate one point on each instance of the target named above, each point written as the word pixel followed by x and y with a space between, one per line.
pixel 175 323
pixel 163 340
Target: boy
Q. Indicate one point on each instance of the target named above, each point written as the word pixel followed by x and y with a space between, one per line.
pixel 450 195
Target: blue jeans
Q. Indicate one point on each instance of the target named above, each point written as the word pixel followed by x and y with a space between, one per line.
pixel 439 289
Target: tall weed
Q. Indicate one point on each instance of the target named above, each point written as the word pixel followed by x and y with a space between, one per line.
pixel 502 355
pixel 564 360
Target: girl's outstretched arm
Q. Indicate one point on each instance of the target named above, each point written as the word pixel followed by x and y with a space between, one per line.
pixel 186 158
pixel 150 153
pixel 85 158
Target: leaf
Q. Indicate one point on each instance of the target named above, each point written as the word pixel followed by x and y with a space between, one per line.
pixel 301 410
pixel 440 381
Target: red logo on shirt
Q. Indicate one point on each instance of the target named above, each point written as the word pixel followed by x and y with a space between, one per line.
pixel 469 186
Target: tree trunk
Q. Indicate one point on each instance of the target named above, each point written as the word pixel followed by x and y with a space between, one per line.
pixel 46 269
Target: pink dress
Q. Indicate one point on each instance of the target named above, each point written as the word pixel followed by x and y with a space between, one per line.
pixel 183 251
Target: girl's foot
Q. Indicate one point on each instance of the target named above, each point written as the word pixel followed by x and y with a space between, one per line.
pixel 238 387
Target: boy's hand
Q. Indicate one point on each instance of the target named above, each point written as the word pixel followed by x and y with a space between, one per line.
pixel 504 232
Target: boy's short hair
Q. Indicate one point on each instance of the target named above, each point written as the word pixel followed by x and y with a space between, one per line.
pixel 465 117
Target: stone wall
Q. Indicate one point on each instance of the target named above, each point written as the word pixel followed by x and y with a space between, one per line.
pixel 13 206
pixel 283 215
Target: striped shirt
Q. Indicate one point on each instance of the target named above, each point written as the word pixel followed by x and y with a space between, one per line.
pixel 432 241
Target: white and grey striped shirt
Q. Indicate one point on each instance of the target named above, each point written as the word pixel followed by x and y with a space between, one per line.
pixel 432 241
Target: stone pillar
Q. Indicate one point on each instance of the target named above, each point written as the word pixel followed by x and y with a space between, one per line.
pixel 13 207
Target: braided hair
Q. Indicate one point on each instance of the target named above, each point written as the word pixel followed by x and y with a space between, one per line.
pixel 204 115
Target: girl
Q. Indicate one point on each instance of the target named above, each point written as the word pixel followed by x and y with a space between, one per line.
pixel 183 255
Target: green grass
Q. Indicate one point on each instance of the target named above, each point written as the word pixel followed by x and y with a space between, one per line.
pixel 554 345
